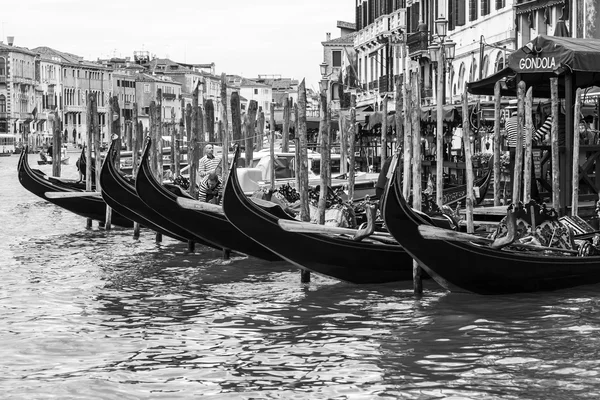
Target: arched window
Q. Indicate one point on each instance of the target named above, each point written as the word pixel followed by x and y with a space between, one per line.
pixel 3 66
pixel 499 61
pixel 2 103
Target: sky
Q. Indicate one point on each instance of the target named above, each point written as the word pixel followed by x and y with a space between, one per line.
pixel 241 37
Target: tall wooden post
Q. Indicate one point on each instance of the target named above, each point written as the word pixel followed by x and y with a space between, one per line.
pixel 193 145
pixel 272 146
pixel 324 166
pixel 136 144
pixel 408 148
pixel 250 131
pixel 351 142
pixel 96 142
pixel 173 153
pixel 497 102
pixel 285 134
pixel 159 141
pixel 304 211
pixel 416 171
pixel 554 145
pixel 384 129
pixel 575 166
pixel 179 135
pixel 527 182
pixel 439 148
pixel 236 118
pixel 225 126
pixel 399 118
pixel 322 121
pixel 188 126
pixel 56 145
pixel 153 134
pixel 88 149
pixel 343 129
pixel 209 110
pixel 518 172
pixel 260 129
pixel 468 162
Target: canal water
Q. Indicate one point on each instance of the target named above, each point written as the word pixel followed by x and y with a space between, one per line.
pixel 95 314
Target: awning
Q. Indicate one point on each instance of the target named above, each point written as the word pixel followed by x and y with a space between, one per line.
pixel 376 118
pixel 485 86
pixel 524 8
pixel 450 113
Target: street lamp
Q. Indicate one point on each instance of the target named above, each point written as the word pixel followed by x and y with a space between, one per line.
pixel 441 51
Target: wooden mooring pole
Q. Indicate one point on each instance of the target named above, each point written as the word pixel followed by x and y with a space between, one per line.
pixel 497 176
pixel 527 165
pixel 575 182
pixel 304 211
pixel 554 145
pixel 88 149
pixel 416 173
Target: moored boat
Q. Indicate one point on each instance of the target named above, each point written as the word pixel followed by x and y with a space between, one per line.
pixel 359 262
pixel 211 226
pixel 120 194
pixel 39 184
pixel 464 266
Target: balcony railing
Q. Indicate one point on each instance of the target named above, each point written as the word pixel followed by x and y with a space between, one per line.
pixel 4 115
pixel 417 42
pixel 169 96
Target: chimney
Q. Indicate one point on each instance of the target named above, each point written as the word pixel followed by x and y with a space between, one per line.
pixel 328 36
pixel 10 40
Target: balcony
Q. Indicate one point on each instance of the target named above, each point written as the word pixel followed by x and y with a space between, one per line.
pixel 3 78
pixel 4 115
pixel 169 96
pixel 417 43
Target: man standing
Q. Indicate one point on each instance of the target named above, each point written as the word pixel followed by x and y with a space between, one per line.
pixel 208 163
pixel 511 125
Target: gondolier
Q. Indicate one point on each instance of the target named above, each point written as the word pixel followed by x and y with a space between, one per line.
pixel 208 163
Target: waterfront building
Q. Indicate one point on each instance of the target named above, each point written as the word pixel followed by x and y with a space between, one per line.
pixel 78 77
pixel 17 94
pixel 146 91
pixel 338 63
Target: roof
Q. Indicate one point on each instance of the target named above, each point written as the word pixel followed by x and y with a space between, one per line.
pixel 48 53
pixel 144 77
pixel 250 83
pixel 5 47
pixel 346 25
pixel 343 40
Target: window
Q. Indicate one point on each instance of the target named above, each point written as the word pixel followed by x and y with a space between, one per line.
pixel 500 4
pixel 499 62
pixel 255 91
pixel 3 66
pixel 485 7
pixel 472 10
pixel 336 58
pixel 146 88
pixel 2 103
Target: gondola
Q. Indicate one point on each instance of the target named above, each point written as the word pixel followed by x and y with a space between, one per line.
pixel 359 262
pixel 474 268
pixel 39 183
pixel 120 194
pixel 213 227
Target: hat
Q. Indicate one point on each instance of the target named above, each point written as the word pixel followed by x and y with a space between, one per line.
pixel 512 104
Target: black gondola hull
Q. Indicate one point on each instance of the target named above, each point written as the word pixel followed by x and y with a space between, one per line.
pixel 38 183
pixel 212 227
pixel 358 262
pixel 122 197
pixel 468 267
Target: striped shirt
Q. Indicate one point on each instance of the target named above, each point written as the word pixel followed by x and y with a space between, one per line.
pixel 545 130
pixel 511 126
pixel 208 165
pixel 206 194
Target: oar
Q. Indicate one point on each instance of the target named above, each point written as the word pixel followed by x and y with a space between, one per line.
pixel 66 195
pixel 435 233
pixel 308 227
pixel 192 204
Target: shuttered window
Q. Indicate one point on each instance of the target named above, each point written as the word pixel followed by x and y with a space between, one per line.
pixel 485 7
pixel 472 10
pixel 500 4
pixel 458 9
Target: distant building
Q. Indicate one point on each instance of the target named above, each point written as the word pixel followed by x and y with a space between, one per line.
pixel 17 94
